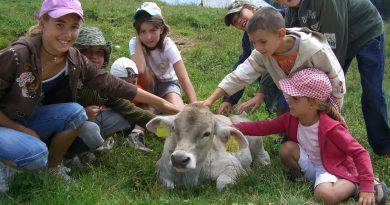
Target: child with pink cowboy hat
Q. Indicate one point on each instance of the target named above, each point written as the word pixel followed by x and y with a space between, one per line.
pixel 320 147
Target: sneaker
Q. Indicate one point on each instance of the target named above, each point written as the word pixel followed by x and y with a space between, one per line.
pixel 87 157
pixel 61 171
pixel 6 174
pixel 381 192
pixel 73 161
pixel 136 140
pixel 107 145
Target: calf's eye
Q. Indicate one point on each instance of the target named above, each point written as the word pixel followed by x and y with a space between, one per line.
pixel 206 134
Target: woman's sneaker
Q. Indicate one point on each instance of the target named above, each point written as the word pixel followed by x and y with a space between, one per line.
pixel 87 157
pixel 136 139
pixel 61 171
pixel 6 174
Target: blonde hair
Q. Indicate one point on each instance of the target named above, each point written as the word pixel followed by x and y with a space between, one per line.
pixel 35 30
pixel 331 111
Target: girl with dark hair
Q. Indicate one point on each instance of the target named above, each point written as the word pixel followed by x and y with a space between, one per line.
pixel 158 59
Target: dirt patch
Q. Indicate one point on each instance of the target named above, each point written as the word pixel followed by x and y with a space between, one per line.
pixel 182 42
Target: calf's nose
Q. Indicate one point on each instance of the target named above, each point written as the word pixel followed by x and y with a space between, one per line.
pixel 180 160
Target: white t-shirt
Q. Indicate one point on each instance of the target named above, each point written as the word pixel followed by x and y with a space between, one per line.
pixel 161 63
pixel 308 139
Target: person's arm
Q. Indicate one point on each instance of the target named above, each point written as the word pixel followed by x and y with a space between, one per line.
pixel 253 103
pixel 246 73
pixel 137 54
pixel 109 85
pixel 155 101
pixel 246 52
pixel 340 137
pixel 264 127
pixel 326 61
pixel 265 87
pixel 8 70
pixel 8 123
pixel 131 112
pixel 185 81
pixel 218 93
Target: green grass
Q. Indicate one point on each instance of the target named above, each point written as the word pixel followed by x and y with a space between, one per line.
pixel 125 176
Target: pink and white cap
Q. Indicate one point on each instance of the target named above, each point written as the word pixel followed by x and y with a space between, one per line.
pixel 309 82
pixel 58 8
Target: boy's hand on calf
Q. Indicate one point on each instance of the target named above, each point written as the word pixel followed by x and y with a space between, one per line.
pixel 224 108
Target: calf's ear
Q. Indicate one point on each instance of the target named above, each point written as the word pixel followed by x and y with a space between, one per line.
pixel 159 121
pixel 224 132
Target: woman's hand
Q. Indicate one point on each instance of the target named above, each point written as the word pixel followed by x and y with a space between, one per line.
pixel 6 122
pixel 160 104
pixel 30 132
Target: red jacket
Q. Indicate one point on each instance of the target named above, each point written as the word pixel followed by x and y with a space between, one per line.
pixel 341 154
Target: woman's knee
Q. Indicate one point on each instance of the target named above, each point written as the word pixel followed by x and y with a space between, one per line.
pixel 23 150
pixel 77 115
pixel 37 159
pixel 36 163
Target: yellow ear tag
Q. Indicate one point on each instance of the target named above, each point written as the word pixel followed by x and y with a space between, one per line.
pixel 163 131
pixel 232 145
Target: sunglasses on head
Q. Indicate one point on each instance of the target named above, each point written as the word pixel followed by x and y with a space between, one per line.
pixel 131 73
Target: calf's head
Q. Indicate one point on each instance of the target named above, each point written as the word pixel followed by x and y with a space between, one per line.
pixel 194 131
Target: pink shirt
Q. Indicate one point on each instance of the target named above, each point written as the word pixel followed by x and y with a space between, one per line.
pixel 308 139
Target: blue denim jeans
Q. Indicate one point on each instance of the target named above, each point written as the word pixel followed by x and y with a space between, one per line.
pixel 50 119
pixel 28 152
pixel 274 98
pixel 371 63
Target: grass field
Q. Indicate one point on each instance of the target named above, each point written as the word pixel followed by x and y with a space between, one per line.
pixel 126 176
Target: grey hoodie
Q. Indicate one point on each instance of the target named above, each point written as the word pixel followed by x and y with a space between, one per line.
pixel 314 52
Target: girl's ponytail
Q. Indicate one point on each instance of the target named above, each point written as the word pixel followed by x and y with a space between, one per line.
pixel 331 111
pixel 35 30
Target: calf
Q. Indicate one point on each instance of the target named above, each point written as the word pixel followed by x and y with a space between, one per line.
pixel 195 149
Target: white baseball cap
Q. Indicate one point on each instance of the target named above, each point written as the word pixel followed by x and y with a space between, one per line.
pixel 118 68
pixel 149 7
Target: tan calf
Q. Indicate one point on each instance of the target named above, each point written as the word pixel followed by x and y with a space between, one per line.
pixel 196 151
